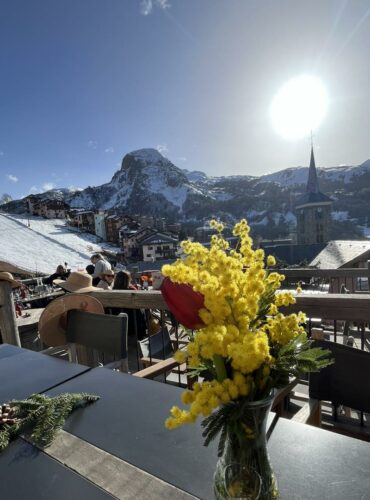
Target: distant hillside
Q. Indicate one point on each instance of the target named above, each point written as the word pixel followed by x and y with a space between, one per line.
pixel 148 183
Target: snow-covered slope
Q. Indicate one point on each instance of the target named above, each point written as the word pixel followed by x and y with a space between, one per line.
pixel 298 175
pixel 43 245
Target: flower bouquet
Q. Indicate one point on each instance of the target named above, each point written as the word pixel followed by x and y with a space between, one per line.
pixel 242 348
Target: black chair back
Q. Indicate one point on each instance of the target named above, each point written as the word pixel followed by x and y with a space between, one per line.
pixel 101 332
pixel 346 382
pixel 157 346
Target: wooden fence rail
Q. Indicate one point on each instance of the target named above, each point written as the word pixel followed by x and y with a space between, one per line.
pixel 351 307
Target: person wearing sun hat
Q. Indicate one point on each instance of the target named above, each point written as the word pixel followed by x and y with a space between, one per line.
pixel 106 280
pixel 5 276
pixel 77 282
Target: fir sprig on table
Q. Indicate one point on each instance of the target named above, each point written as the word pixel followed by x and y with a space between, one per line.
pixel 40 415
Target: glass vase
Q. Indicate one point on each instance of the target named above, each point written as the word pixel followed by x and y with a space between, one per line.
pixel 244 470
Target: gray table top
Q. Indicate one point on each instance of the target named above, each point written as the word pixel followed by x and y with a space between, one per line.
pixel 24 372
pixel 128 422
pixel 312 463
pixel 7 350
pixel 27 473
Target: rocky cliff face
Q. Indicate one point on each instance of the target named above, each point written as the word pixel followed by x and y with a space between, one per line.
pixel 147 183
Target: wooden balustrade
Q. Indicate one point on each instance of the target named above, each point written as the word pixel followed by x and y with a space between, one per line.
pixel 351 307
pixel 8 324
pixel 329 306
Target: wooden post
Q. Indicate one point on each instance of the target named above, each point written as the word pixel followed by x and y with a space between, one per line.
pixel 8 322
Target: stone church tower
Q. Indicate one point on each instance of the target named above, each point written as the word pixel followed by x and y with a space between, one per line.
pixel 313 211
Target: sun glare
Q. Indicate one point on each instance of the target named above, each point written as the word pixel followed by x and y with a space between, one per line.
pixel 299 107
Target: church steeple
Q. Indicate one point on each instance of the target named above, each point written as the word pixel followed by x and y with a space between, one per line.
pixel 313 210
pixel 312 182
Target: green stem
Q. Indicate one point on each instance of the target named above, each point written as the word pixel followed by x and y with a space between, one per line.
pixel 219 367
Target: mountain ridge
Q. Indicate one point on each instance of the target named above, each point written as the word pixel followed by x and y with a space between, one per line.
pixel 148 183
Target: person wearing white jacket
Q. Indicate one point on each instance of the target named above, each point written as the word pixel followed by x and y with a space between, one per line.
pixel 101 266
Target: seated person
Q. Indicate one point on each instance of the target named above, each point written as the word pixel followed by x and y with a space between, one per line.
pixel 136 317
pixel 60 273
pixel 90 269
pixel 123 281
pixel 106 280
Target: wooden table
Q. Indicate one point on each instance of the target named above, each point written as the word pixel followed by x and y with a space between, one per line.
pixel 120 445
pixel 42 296
pixel 29 318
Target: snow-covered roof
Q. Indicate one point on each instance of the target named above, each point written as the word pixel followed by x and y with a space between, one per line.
pixel 85 212
pixel 339 253
pixel 146 266
pixel 157 239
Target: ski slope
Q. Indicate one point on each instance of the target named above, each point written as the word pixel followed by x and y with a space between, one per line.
pixel 44 244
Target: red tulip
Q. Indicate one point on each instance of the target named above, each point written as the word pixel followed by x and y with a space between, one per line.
pixel 183 302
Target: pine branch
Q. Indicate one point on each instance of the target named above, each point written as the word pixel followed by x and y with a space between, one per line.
pixel 42 415
pixel 298 357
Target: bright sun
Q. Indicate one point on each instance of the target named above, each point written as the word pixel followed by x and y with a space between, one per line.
pixel 299 107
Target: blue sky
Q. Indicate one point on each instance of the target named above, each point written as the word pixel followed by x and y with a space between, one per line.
pixel 83 82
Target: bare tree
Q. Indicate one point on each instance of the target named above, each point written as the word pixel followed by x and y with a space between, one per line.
pixel 5 198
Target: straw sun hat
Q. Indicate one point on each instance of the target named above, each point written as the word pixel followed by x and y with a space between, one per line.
pixel 77 282
pixel 53 320
pixel 5 276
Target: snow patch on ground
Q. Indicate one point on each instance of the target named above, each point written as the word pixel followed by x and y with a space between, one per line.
pixel 45 244
pixel 339 215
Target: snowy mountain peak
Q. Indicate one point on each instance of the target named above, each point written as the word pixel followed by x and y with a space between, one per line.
pixel 147 155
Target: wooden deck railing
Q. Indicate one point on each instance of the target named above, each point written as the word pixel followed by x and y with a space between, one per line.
pixel 350 307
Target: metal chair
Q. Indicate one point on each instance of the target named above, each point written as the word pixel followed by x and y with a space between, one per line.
pixel 155 347
pixel 103 337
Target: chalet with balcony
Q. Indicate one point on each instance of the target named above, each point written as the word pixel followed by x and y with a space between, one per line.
pixel 159 246
pixel 84 220
pixel 131 241
pixel 113 224
pixel 154 222
pixel 50 209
